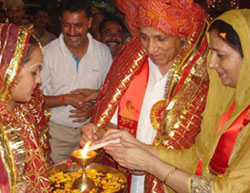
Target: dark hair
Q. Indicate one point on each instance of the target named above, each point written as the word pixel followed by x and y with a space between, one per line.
pixel 113 19
pixel 203 4
pixel 3 12
pixel 231 37
pixel 32 44
pixel 37 9
pixel 76 6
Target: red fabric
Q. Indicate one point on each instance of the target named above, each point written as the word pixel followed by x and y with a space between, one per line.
pixel 183 138
pixel 186 71
pixel 130 8
pixel 4 182
pixel 131 102
pixel 219 161
pixel 8 43
pixel 225 117
pixel 199 168
pixel 27 123
pixel 139 80
pixel 35 165
pixel 109 96
pixel 121 69
pixel 172 17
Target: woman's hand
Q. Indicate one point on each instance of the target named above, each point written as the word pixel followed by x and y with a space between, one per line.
pixel 130 156
pixel 130 153
pixel 123 135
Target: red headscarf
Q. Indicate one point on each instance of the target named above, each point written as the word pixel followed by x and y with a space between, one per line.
pixel 13 43
pixel 24 131
pixel 172 17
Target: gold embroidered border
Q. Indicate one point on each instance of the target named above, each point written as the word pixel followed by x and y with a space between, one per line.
pixel 184 58
pixel 175 115
pixel 7 154
pixel 10 139
pixel 198 184
pixel 14 65
pixel 120 88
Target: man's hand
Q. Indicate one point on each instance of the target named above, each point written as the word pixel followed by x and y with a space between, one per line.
pixel 88 94
pixel 75 100
pixel 90 132
pixel 81 115
pixel 21 187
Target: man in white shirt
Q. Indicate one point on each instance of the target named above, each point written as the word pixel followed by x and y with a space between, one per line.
pixel 73 61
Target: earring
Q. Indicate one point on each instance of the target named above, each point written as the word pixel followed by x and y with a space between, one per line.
pixel 183 41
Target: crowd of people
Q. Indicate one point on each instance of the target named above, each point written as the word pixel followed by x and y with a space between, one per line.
pixel 15 14
pixel 175 91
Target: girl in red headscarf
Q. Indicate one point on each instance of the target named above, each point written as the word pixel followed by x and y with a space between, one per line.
pixel 23 117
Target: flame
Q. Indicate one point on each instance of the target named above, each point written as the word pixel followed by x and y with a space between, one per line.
pixel 85 150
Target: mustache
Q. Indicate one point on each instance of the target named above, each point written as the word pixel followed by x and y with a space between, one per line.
pixel 112 41
pixel 72 36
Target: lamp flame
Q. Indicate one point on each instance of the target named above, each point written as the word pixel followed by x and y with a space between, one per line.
pixel 85 150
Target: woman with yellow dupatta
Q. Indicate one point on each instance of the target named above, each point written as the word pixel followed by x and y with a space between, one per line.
pixel 219 161
pixel 23 117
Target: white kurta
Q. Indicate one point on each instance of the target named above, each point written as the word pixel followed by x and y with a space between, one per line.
pixel 145 132
pixel 61 75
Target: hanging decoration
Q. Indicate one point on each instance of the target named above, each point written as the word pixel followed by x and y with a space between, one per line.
pixel 217 7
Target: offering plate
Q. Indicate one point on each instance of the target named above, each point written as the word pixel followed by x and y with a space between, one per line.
pixel 97 172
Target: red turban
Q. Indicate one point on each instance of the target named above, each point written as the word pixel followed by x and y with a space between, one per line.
pixel 172 17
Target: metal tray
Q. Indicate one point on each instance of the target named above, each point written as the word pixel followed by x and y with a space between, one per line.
pixel 99 167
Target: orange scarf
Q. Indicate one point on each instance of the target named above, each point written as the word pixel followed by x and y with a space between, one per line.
pixel 219 161
pixel 131 102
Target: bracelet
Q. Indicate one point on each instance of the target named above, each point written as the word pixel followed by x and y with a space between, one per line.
pixel 189 184
pixel 173 169
pixel 63 99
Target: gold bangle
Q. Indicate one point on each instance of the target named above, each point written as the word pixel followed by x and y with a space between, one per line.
pixel 173 169
pixel 189 184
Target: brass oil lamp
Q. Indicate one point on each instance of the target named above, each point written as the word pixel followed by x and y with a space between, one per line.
pixel 83 157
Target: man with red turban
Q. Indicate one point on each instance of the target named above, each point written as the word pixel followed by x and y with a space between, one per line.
pixel 161 71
